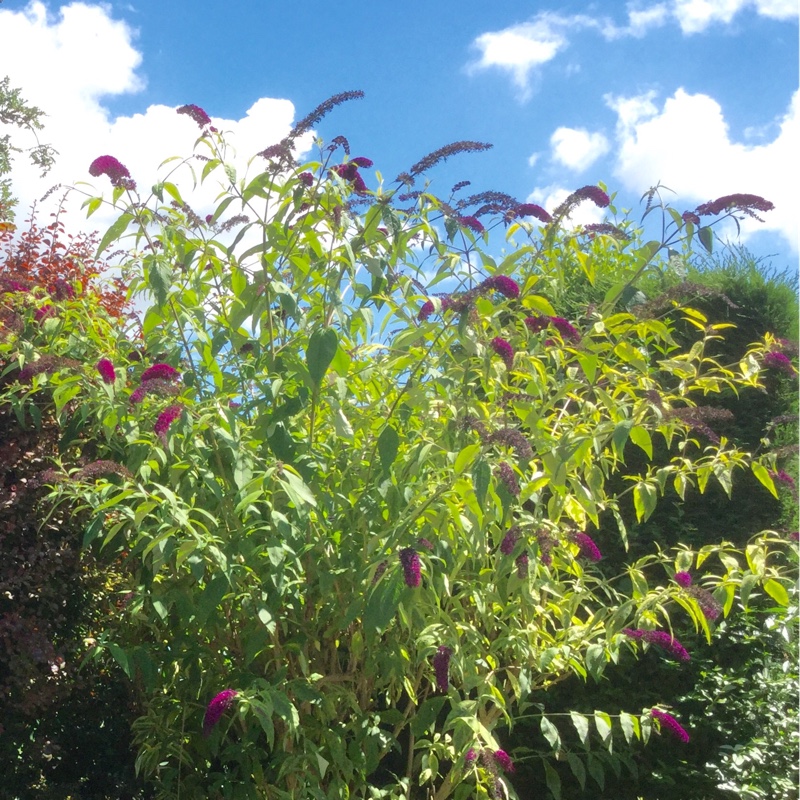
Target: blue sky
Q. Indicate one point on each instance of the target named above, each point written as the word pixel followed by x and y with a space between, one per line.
pixel 700 94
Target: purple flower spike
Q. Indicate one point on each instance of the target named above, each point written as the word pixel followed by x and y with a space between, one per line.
pixel 565 328
pixel 361 161
pixel 165 419
pixel 502 284
pixel 412 569
pixel 780 362
pixel 669 722
pixel 470 756
pixel 117 172
pixel 708 605
pixel 509 541
pixel 216 708
pixel 522 565
pixel 503 759
pixel 472 223
pixel 506 474
pixel 532 210
pixel 588 549
pixel 536 323
pixel 425 311
pixel 163 372
pixel 196 113
pixel 504 350
pixel 683 579
pixel 660 639
pixel 106 370
pixel 441 665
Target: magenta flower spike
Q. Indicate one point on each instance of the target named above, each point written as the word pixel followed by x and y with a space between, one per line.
pixel 117 172
pixel 671 724
pixel 106 370
pixel 165 419
pixel 504 350
pixel 196 113
pixel 412 568
pixel 216 708
pixel 441 666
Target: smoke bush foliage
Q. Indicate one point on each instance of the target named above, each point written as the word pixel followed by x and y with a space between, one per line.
pixel 311 497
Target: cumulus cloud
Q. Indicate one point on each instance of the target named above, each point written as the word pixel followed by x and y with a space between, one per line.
pixel 92 57
pixel 577 148
pixel 687 143
pixel 522 49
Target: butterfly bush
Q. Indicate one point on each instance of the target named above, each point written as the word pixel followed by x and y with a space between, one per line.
pixel 339 441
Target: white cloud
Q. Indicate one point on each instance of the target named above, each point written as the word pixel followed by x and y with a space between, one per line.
pixel 91 58
pixel 521 48
pixel 687 144
pixel 577 148
pixel 695 16
pixel 550 197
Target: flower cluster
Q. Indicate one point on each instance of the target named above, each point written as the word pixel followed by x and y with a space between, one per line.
pixel 593 193
pixel 522 561
pixel 698 417
pixel 412 568
pixel 196 113
pixel 605 229
pixel 532 210
pixel 546 543
pixel 670 723
pixel 102 467
pixel 441 666
pixel 473 223
pixel 504 350
pixel 540 322
pixel 660 639
pixel 46 364
pixel 349 172
pixel 780 362
pixel 106 369
pixel 501 284
pixel 511 437
pixel 588 548
pixel 442 154
pixel 505 473
pixel 165 419
pixel 306 178
pixel 746 203
pixel 781 476
pixel 117 172
pixel 509 541
pixel 379 570
pixel 216 708
pixel 159 371
pixel 683 579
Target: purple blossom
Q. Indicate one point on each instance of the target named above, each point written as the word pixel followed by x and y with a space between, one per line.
pixel 503 760
pixel 522 561
pixel 412 569
pixel 102 467
pixel 690 216
pixel 504 350
pixel 783 477
pixel 509 541
pixel 196 113
pixel 117 172
pixel 606 229
pixel 502 284
pixel 748 203
pixel 780 362
pixel 425 311
pixel 593 193
pixel 379 570
pixel 565 328
pixel 306 178
pixel 511 437
pixel 216 708
pixel 472 223
pixel 441 665
pixel 361 161
pixel 532 210
pixel 470 756
pixel 159 371
pixel 427 544
pixel 683 579
pixel 137 395
pixel 106 370
pixel 505 473
pixel 43 313
pixel 668 721
pixel 660 639
pixel 536 323
pixel 546 544
pixel 708 604
pixel 443 153
pixel 165 419
pixel 588 549
pixel 48 364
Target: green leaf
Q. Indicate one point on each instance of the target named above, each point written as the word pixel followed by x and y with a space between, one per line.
pixel 578 770
pixel 211 597
pixel 465 457
pixel 641 438
pixel 382 606
pixel 550 733
pixel 763 476
pixel 121 657
pixel 706 236
pixel 595 767
pixel 630 726
pixel 581 724
pixel 553 781
pixel 320 352
pixel 296 489
pixel 159 278
pixel 602 722
pixel 481 477
pixel 426 715
pixel 777 591
pixel 620 436
pixel 596 660
pixel 645 499
pixel 114 232
pixel 388 444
